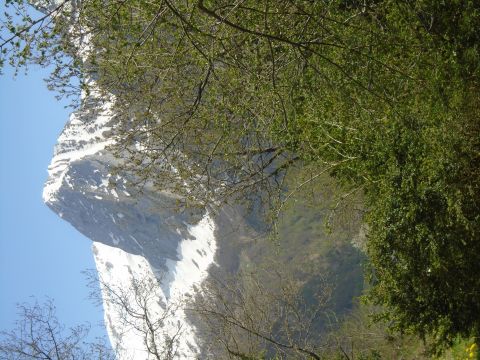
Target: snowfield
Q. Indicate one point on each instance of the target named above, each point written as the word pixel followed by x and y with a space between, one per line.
pixel 118 269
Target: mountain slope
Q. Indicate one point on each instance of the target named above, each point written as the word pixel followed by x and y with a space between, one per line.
pixel 135 233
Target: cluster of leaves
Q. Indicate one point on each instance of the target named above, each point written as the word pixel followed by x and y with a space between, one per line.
pixel 219 100
pixel 42 38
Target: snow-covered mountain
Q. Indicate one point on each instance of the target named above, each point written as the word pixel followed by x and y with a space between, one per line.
pixel 136 234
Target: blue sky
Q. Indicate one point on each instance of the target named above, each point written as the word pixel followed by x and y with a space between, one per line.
pixel 40 254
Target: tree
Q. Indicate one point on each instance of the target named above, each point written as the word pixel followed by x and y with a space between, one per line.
pixel 39 335
pixel 142 323
pixel 260 313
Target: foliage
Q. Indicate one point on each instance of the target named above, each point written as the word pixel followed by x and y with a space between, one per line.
pixel 357 336
pixel 219 100
pixel 462 349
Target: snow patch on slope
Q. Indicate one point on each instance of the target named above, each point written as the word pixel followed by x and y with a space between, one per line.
pixel 196 255
pixel 78 140
pixel 120 270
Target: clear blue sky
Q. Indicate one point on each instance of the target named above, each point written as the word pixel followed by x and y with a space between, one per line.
pixel 40 254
